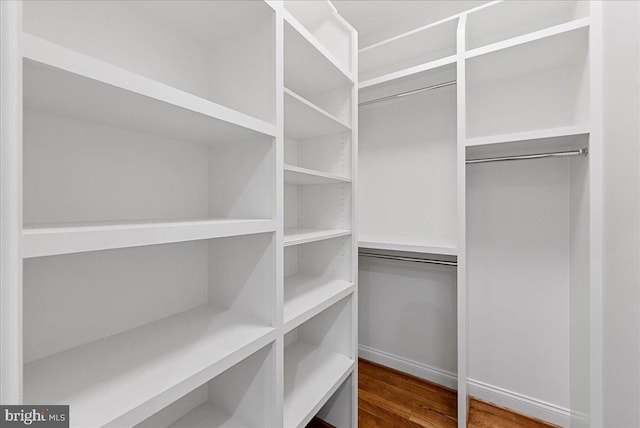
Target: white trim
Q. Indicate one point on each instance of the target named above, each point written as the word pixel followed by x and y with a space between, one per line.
pixel 430 373
pixel 520 403
pixel 11 330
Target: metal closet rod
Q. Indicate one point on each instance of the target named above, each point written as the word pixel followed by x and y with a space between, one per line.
pixel 581 152
pixel 408 259
pixel 411 92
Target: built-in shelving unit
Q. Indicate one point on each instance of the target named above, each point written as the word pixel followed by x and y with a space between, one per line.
pixel 498 84
pixel 319 298
pixel 168 175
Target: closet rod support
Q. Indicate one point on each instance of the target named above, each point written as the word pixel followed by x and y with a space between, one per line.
pixel 581 152
pixel 408 259
pixel 411 92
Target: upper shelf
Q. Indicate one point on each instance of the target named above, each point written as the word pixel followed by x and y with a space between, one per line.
pixel 403 244
pixel 60 80
pixel 66 239
pixel 303 119
pixel 421 46
pixel 530 37
pixel 308 67
pixel 123 379
pixel 506 20
pixel 303 236
pixel 327 27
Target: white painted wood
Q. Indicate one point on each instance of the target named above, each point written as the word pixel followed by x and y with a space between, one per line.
pixel 507 19
pixel 49 241
pixel 537 134
pixel 328 28
pixel 393 244
pixel 11 327
pixel 115 96
pixel 312 45
pixel 304 120
pixel 397 54
pixel 112 382
pixel 531 37
pixel 296 175
pixel 338 410
pixel 306 296
pixel 330 154
pixel 550 73
pixel 407 72
pixel 462 320
pixel 191 46
pixel 311 375
pixel 317 361
pixel 303 236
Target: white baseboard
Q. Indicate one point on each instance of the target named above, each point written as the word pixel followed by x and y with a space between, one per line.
pixel 432 374
pixel 520 403
pixel 502 397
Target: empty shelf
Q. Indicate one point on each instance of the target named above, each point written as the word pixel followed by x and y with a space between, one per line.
pixel 206 415
pixel 565 131
pixel 306 296
pixel 302 119
pixel 303 236
pixel 311 376
pixel 297 175
pixel 125 378
pixel 383 243
pixel 65 239
pixel 308 65
pixel 409 72
pixel 65 82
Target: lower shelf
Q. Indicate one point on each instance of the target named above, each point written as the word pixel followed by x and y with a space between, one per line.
pixel 311 376
pixel 205 415
pixel 125 378
pixel 306 295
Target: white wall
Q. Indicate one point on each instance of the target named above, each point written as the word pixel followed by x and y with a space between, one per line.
pixel 621 214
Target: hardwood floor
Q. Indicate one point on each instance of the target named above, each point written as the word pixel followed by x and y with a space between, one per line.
pixel 392 399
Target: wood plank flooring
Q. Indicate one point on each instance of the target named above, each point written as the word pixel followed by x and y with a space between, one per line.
pixel 392 399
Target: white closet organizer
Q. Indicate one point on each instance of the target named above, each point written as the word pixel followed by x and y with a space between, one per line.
pixel 155 199
pixel 481 139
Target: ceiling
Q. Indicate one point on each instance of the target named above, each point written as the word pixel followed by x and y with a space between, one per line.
pixel 377 20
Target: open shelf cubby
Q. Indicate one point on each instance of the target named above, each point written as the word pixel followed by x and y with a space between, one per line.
pixel 399 54
pixel 324 24
pixel 507 20
pixel 314 77
pixel 316 275
pixel 109 156
pixel 540 84
pixel 318 357
pixel 155 320
pixel 219 51
pixel 240 397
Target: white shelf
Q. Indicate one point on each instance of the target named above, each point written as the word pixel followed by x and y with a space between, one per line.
pixel 65 239
pixel 306 295
pixel 297 175
pixel 125 378
pixel 311 376
pixel 530 37
pixel 303 236
pixel 407 72
pixel 379 243
pixel 61 80
pixel 309 47
pixel 205 415
pixel 308 67
pixel 537 134
pixel 303 119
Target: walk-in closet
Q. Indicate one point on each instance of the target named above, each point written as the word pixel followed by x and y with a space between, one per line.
pixel 314 213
